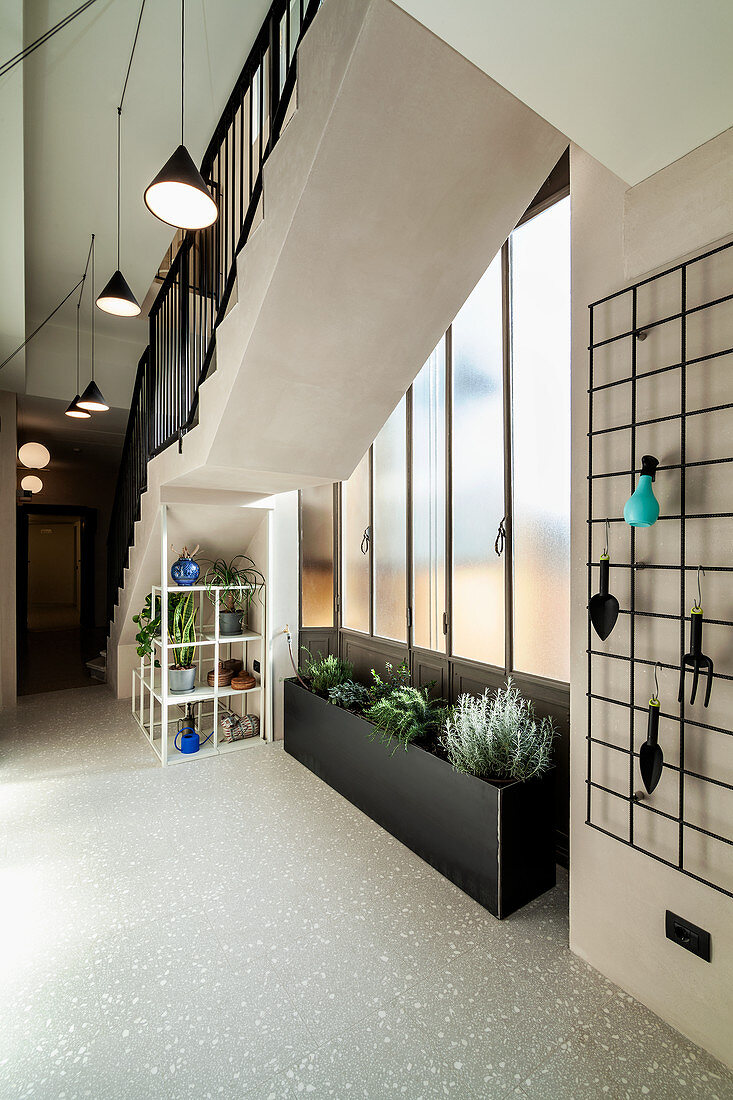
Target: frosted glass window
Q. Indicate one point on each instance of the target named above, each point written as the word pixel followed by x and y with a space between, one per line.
pixel 390 528
pixel 316 541
pixel 478 473
pixel 355 568
pixel 429 502
pixel 540 267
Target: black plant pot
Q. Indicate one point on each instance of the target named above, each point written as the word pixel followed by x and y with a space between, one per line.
pixel 493 840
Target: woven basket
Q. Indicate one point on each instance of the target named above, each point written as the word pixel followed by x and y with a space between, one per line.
pixel 243 681
pixel 224 677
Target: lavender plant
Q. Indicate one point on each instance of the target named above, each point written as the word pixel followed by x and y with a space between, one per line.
pixel 498 736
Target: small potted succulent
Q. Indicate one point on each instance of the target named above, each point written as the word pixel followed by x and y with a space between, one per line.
pixel 239 581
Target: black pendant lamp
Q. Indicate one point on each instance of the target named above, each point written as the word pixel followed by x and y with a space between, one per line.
pixel 75 410
pixel 178 194
pixel 117 298
pixel 92 399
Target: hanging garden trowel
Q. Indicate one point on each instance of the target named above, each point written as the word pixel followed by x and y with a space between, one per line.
pixel 603 607
pixel 651 758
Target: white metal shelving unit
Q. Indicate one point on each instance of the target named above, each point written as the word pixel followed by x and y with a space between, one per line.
pixel 157 711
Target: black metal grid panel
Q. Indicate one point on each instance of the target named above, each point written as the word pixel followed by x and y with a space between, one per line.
pixel 638 620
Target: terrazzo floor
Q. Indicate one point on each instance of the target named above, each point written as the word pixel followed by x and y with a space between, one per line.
pixel 233 928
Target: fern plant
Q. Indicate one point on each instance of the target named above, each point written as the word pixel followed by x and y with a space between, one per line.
pixel 381 688
pixel 406 714
pixel 326 672
pixel 498 736
pixel 350 695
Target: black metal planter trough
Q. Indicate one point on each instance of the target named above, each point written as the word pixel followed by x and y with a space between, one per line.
pixel 493 840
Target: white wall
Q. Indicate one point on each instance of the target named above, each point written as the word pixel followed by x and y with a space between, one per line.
pixel 12 269
pixel 8 452
pixel 619 896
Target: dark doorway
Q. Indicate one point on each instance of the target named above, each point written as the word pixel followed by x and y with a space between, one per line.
pixel 56 632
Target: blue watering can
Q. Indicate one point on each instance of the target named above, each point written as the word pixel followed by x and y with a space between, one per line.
pixel 189 740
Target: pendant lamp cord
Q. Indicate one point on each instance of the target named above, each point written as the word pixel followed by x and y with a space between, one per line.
pixel 93 307
pixel 78 352
pixel 119 123
pixel 53 313
pixel 183 22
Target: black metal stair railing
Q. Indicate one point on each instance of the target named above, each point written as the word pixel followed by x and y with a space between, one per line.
pixel 196 290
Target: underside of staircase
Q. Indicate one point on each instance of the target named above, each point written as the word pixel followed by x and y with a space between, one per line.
pixel 400 173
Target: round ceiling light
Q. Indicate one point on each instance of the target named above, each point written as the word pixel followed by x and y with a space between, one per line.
pixel 34 456
pixel 31 484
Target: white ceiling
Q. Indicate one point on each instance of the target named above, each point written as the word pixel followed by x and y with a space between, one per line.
pixel 72 86
pixel 636 83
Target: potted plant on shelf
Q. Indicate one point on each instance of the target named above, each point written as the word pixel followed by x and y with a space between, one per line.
pixel 239 581
pixel 182 634
pixel 185 570
pixel 148 622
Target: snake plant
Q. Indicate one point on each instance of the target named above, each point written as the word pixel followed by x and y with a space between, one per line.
pixel 182 629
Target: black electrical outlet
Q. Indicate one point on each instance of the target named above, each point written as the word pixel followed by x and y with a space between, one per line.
pixel 688 935
pixel 255 666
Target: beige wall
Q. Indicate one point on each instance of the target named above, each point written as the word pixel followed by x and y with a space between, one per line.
pixel 8 439
pixel 618 895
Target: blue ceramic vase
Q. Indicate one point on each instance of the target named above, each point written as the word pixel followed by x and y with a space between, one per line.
pixel 185 571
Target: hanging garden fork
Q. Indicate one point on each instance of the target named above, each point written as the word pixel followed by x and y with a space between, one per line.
pixel 696 659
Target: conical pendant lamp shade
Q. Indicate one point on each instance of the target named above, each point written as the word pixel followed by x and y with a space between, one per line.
pixel 117 297
pixel 92 399
pixel 179 196
pixel 76 410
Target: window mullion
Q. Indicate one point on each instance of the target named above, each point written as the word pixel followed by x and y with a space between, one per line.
pixel 409 611
pixel 506 307
pixel 448 609
pixel 370 550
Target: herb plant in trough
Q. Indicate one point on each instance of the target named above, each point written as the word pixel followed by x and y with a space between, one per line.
pixel 326 672
pixel 498 736
pixel 350 695
pixel 380 688
pixel 406 714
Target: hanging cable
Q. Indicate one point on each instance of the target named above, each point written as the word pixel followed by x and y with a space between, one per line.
pixel 45 322
pixel 28 50
pixel 182 61
pixel 51 314
pixel 132 54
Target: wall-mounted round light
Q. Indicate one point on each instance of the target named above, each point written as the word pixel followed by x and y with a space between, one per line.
pixel 34 456
pixel 31 484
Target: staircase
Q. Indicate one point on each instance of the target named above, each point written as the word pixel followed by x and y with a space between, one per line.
pixel 387 172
